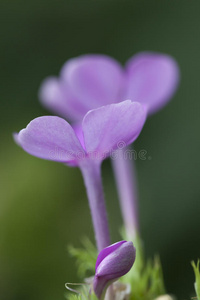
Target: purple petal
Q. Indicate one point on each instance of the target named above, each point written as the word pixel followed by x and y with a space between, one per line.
pixel 56 96
pixel 152 79
pixel 96 80
pixel 106 251
pixel 50 138
pixel 15 137
pixel 105 128
pixel 119 262
pixel 79 133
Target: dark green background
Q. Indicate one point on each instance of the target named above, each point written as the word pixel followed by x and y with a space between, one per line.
pixel 43 205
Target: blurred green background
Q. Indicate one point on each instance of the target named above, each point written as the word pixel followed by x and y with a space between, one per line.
pixel 43 205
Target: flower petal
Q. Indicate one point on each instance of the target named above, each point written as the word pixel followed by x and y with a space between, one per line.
pixel 96 80
pixel 79 133
pixel 106 251
pixel 118 262
pixel 50 138
pixel 56 96
pixel 152 79
pixel 107 127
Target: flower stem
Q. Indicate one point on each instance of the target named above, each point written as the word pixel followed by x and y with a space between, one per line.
pixel 91 171
pixel 125 177
pixel 109 293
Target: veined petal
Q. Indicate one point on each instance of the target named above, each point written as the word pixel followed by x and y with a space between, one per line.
pixel 96 80
pixel 105 128
pixel 50 138
pixel 56 96
pixel 152 79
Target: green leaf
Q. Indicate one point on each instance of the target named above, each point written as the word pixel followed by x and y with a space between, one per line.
pixel 145 277
pixel 80 292
pixel 85 257
pixel 197 278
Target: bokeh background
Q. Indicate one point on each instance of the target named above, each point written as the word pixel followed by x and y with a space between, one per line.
pixel 43 205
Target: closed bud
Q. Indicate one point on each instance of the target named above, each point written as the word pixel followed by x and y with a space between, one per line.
pixel 112 262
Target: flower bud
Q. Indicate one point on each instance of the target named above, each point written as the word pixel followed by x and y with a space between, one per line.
pixel 112 262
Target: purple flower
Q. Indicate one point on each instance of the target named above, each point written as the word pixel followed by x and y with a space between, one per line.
pixel 102 129
pixel 90 81
pixel 112 263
